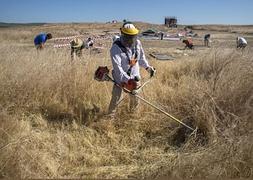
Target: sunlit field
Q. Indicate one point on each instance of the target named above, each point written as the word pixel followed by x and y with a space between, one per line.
pixel 52 111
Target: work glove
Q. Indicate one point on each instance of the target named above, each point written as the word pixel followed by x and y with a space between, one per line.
pixel 137 78
pixel 134 92
pixel 151 70
pixel 131 85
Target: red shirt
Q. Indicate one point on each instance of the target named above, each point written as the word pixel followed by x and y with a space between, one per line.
pixel 188 42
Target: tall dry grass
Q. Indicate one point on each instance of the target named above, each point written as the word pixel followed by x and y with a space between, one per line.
pixel 53 125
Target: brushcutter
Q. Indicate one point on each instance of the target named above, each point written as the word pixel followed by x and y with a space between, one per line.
pixel 102 74
pixel 136 90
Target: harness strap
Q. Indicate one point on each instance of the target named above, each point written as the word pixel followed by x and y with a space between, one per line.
pixel 132 61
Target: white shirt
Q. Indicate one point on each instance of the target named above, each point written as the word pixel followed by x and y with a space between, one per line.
pixel 88 43
pixel 115 38
pixel 121 65
pixel 241 40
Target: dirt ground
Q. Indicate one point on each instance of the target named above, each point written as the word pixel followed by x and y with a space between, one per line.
pixel 22 37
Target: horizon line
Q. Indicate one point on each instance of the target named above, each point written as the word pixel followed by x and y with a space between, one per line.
pixel 99 22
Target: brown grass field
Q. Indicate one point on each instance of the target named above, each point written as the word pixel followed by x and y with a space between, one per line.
pixel 52 121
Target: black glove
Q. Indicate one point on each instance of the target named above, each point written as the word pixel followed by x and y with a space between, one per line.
pixel 137 78
pixel 151 70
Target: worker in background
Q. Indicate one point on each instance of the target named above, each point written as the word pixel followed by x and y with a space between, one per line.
pixel 127 56
pixel 41 39
pixel 188 44
pixel 207 40
pixel 241 42
pixel 89 43
pixel 162 35
pixel 77 45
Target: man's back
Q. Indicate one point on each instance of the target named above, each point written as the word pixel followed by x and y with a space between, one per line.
pixel 207 36
pixel 188 42
pixel 242 40
pixel 41 38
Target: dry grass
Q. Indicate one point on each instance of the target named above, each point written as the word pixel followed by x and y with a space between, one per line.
pixel 246 29
pixel 52 123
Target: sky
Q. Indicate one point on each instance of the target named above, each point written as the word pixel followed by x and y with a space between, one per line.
pixel 152 11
